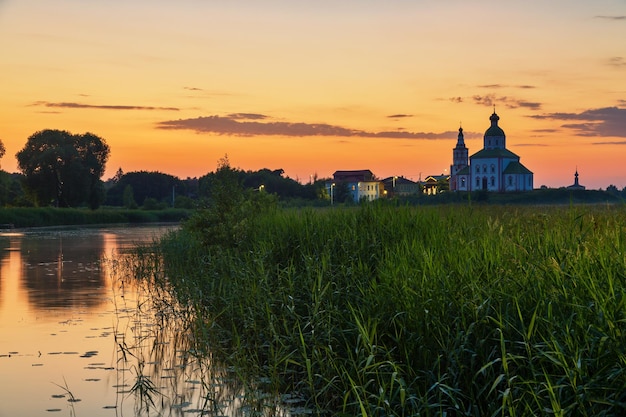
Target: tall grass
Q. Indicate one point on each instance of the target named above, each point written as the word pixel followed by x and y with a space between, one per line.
pixel 50 216
pixel 378 310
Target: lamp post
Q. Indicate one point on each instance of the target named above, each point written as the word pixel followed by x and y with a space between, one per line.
pixel 332 187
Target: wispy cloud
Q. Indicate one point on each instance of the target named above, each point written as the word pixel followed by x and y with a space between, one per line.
pixel 522 86
pixel 399 116
pixel 508 102
pixel 72 105
pixel 619 17
pixel 607 121
pixel 622 142
pixel 249 126
pixel 617 61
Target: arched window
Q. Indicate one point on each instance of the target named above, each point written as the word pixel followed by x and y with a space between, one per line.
pixel 478 169
pixel 493 181
pixel 477 182
pixel 493 169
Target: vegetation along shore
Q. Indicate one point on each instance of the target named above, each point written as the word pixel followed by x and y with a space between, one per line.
pixel 379 309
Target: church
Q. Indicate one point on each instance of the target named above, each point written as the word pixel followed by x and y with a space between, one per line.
pixel 493 168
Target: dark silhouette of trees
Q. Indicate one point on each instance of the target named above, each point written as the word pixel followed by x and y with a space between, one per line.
pixel 269 181
pixel 64 169
pixel 137 186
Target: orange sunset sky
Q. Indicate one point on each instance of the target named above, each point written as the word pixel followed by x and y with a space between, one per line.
pixel 317 86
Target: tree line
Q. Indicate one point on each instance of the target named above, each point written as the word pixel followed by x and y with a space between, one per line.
pixel 62 169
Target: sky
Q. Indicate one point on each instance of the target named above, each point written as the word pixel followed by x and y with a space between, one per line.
pixel 312 87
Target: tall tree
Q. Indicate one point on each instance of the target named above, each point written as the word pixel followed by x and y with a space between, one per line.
pixel 63 168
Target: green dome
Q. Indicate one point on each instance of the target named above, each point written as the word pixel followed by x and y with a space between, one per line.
pixel 494 129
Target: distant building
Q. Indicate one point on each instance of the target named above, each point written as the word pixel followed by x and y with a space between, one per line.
pixel 400 186
pixel 493 168
pixel 434 184
pixel 576 185
pixel 360 184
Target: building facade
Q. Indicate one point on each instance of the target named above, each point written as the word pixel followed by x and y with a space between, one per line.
pixel 361 185
pixel 493 168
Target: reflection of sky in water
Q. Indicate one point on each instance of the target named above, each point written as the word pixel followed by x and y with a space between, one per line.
pixel 58 321
pixel 65 322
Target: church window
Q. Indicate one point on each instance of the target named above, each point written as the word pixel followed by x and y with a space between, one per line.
pixel 493 168
pixel 478 169
pixel 485 168
pixel 493 181
pixel 477 182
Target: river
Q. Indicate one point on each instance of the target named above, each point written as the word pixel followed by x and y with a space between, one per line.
pixel 77 340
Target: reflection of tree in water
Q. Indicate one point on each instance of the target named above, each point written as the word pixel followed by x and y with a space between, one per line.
pixel 5 244
pixel 63 269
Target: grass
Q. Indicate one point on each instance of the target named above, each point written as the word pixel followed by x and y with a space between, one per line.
pixel 21 217
pixel 378 310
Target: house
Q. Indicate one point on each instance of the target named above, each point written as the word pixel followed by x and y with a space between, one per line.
pixel 360 185
pixel 400 186
pixel 493 168
pixel 434 184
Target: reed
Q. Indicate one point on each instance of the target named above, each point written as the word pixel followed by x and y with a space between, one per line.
pixel 380 310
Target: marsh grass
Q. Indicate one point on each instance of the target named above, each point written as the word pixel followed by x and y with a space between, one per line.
pixel 378 310
pixel 159 364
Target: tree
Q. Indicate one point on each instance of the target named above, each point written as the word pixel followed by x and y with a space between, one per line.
pixel 3 150
pixel 144 184
pixel 63 168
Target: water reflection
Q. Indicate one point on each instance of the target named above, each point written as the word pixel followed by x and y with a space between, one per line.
pixel 63 276
pixel 79 336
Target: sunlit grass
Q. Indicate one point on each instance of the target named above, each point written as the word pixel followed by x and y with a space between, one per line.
pixel 380 310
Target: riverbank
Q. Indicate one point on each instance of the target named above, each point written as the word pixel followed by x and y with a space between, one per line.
pixel 379 310
pixel 21 217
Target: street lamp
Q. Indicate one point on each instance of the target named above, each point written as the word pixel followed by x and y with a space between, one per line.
pixel 332 187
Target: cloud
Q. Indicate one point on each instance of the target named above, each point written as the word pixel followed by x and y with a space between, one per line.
pixel 511 103
pixel 623 142
pixel 235 125
pixel 399 116
pixel 70 105
pixel 247 116
pixel 456 99
pixel 606 121
pixel 611 17
pixel 522 86
pixel 617 61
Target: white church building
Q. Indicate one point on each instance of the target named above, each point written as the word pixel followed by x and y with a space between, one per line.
pixel 493 168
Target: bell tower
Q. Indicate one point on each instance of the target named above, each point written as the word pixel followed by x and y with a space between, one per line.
pixel 460 159
pixel 460 154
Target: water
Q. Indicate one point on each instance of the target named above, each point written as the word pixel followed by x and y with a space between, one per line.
pixel 73 338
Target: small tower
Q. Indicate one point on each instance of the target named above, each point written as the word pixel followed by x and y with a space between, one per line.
pixel 460 160
pixel 460 154
pixel 576 185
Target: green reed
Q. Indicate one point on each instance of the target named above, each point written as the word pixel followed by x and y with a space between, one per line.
pixel 456 310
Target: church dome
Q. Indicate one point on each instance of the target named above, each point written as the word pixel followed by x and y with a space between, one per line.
pixel 494 129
